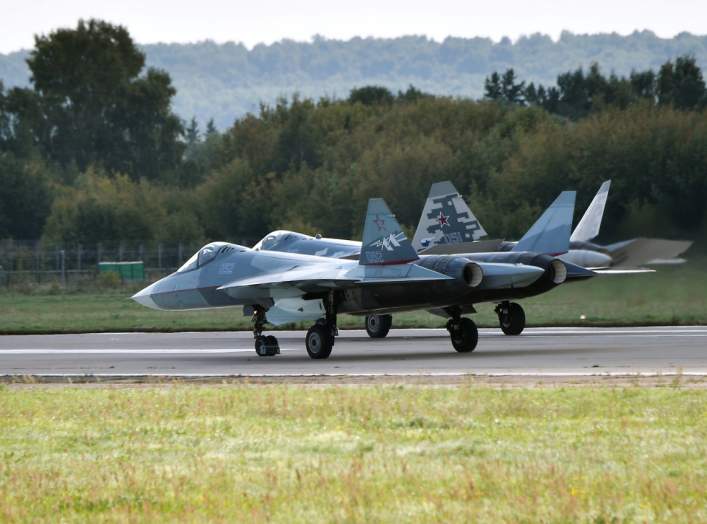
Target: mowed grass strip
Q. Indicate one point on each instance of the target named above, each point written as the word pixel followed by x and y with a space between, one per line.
pixel 352 454
pixel 673 295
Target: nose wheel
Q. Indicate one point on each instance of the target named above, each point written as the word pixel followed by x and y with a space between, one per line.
pixel 266 346
pixel 511 318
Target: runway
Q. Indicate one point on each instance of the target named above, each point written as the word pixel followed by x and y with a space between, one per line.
pixel 537 352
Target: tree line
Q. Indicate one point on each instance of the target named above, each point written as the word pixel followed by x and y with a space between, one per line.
pixel 93 152
pixel 226 81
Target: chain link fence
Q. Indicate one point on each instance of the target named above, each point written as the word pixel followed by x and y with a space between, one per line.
pixel 26 263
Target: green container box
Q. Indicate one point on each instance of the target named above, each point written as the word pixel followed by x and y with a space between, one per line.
pixel 127 270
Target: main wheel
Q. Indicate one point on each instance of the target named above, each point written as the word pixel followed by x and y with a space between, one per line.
pixel 319 341
pixel 512 319
pixel 464 335
pixel 377 326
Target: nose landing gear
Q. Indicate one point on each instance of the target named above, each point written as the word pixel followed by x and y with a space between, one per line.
pixel 265 346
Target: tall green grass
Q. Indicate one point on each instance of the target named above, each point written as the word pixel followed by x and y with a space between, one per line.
pixel 352 454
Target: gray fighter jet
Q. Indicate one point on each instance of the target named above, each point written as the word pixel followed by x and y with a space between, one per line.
pixel 448 226
pixel 388 276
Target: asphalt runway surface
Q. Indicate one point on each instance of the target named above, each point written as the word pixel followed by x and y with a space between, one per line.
pixel 538 351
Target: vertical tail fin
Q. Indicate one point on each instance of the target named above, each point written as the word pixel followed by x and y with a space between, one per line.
pixel 446 219
pixel 589 225
pixel 551 233
pixel 383 239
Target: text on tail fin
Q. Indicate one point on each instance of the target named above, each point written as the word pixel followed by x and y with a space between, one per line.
pixel 383 239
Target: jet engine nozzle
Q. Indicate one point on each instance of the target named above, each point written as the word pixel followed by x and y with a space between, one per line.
pixel 459 268
pixel 473 274
pixel 558 271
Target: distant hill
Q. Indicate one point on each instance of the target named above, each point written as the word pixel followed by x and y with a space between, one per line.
pixel 224 81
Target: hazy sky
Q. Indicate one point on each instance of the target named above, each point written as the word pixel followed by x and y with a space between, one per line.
pixel 266 21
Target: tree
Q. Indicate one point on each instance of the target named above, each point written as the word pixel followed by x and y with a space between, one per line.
pixel 512 92
pixel 89 105
pixel 371 95
pixel 192 132
pixel 25 197
pixel 492 87
pixel 688 84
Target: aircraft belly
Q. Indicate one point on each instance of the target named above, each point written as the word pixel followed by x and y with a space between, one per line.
pixel 400 297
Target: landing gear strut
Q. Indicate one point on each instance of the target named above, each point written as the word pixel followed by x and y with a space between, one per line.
pixel 511 317
pixel 377 326
pixel 463 333
pixel 320 337
pixel 265 346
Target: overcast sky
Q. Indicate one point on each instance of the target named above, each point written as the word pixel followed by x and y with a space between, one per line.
pixel 252 22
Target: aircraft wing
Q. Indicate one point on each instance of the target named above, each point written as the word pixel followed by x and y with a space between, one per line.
pixel 325 277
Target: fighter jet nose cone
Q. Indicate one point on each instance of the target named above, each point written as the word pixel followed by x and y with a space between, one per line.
pixel 144 298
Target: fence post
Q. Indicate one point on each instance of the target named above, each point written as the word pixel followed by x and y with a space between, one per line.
pixel 62 258
pixel 159 256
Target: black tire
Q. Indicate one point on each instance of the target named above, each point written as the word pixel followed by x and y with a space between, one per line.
pixel 464 335
pixel 377 326
pixel 273 345
pixel 266 346
pixel 513 322
pixel 319 342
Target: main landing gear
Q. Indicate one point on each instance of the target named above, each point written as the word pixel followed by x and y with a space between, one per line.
pixel 265 346
pixel 377 326
pixel 463 333
pixel 511 317
pixel 320 337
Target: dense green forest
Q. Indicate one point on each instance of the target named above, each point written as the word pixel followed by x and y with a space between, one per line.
pixel 92 151
pixel 225 81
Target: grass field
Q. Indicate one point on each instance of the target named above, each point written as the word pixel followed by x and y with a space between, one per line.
pixel 352 454
pixel 674 295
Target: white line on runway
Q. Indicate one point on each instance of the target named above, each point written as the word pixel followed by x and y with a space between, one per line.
pixel 666 373
pixel 125 351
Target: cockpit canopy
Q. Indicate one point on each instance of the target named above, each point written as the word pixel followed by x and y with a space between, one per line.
pixel 277 239
pixel 208 253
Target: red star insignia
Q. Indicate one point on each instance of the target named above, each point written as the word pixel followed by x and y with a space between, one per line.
pixel 443 220
pixel 379 222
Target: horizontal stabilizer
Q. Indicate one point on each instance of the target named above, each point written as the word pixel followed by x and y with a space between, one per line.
pixel 610 271
pixel 589 225
pixel 642 251
pixel 446 219
pixel 383 239
pixel 551 233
